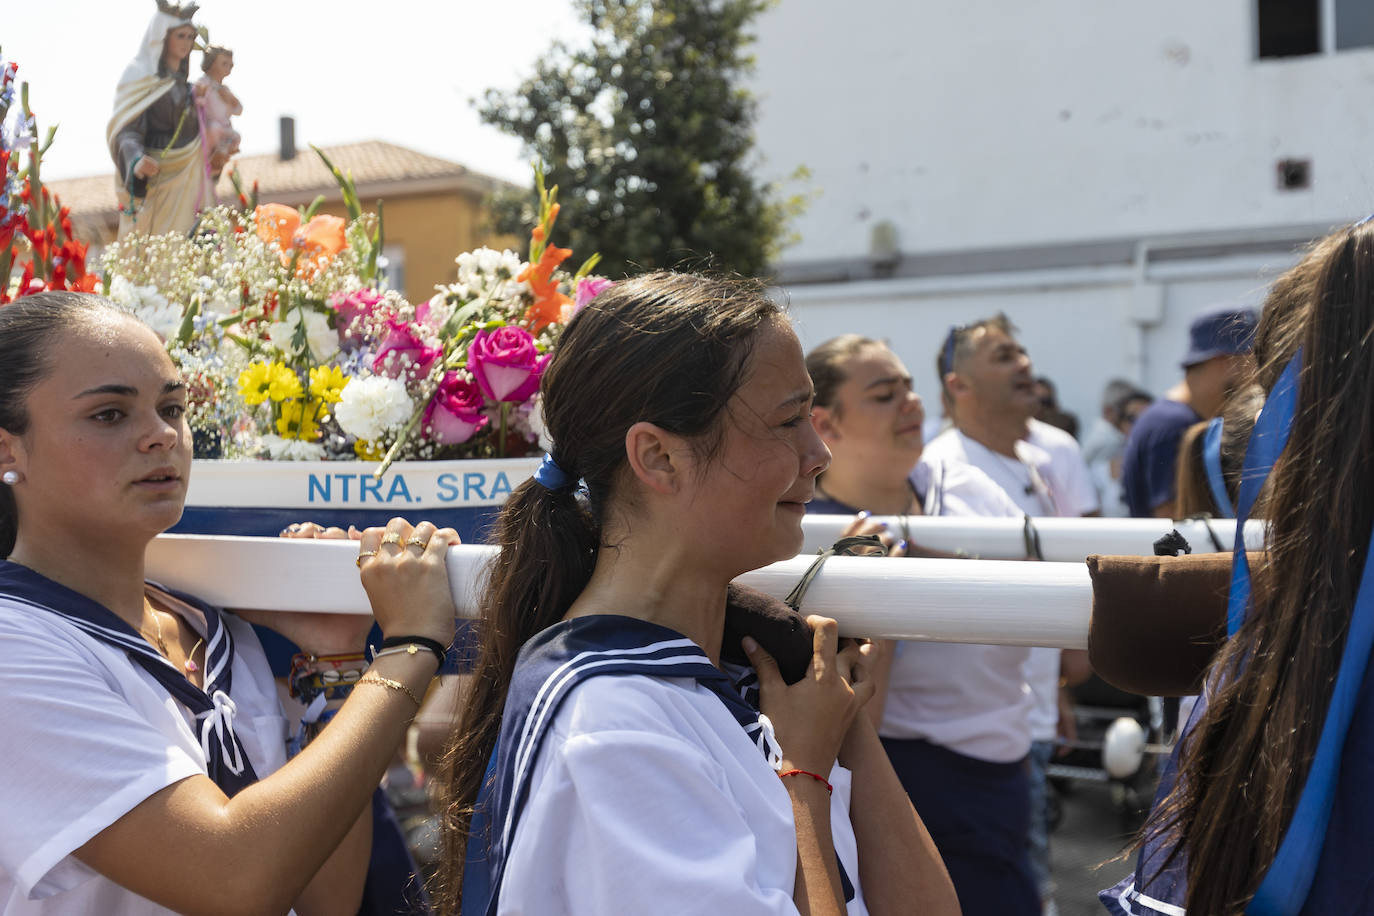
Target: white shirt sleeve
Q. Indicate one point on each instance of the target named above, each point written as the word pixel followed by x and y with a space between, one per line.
pixel 1074 490
pixel 79 751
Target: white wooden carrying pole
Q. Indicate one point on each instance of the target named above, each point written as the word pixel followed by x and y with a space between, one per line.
pixel 1062 540
pixel 969 601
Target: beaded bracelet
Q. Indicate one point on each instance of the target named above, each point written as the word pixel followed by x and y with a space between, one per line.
pixel 829 789
pixel 331 675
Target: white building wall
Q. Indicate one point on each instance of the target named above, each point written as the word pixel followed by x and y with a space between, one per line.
pixel 975 124
pixel 1101 172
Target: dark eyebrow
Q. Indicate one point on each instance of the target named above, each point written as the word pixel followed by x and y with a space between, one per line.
pixel 128 391
pixel 888 380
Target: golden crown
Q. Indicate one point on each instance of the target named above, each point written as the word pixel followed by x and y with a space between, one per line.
pixel 179 10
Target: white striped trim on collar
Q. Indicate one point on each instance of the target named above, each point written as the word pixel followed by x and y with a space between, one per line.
pixel 1130 895
pixel 553 686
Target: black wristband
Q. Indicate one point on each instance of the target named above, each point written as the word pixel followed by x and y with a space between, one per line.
pixel 433 645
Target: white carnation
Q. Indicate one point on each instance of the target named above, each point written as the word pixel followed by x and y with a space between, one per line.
pixel 371 406
pixel 280 449
pixel 320 338
pixel 147 305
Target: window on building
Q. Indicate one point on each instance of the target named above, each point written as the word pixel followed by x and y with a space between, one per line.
pixel 1290 28
pixel 1354 24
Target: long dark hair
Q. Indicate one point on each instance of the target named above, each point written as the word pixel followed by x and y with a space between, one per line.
pixel 28 328
pixel 1243 766
pixel 667 348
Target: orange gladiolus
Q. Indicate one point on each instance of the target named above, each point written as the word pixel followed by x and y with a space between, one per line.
pixel 278 223
pixel 549 304
pixel 318 240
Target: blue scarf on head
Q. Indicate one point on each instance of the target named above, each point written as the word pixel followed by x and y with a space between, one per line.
pixel 1292 878
pixel 550 665
pixel 229 767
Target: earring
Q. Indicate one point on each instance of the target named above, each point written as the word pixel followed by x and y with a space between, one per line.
pixel 10 478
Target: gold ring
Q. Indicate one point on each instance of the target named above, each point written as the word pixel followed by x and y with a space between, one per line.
pixel 365 555
pixel 417 542
pixel 391 537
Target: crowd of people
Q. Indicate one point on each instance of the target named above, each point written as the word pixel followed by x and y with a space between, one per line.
pixel 617 750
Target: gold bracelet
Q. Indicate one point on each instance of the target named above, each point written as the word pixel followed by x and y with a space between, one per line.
pixel 373 678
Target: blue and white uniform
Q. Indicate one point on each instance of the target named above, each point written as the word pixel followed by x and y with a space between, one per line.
pixel 90 734
pixel 649 787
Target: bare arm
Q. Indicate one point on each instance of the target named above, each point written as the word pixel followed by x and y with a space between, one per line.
pixel 818 889
pixel 261 849
pixel 810 719
pixel 267 842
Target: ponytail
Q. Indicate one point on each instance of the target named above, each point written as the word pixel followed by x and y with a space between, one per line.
pixel 547 544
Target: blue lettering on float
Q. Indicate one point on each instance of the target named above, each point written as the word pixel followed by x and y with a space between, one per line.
pixel 474 482
pixel 448 487
pixel 501 487
pixel 318 485
pixel 344 481
pixel 369 484
pixel 398 489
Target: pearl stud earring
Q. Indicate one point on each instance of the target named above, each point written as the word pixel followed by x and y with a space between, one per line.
pixel 10 478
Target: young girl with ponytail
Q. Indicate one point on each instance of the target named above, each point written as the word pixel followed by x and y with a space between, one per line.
pixel 611 757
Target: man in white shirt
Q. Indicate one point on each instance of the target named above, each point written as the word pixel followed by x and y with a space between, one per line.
pixel 989 392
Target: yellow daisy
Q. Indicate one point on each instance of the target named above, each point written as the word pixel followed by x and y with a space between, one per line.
pixel 283 383
pixel 254 383
pixel 300 419
pixel 327 383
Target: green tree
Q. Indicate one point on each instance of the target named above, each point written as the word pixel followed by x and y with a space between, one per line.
pixel 649 135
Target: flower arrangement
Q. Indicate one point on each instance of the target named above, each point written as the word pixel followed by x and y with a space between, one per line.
pixel 293 349
pixel 35 228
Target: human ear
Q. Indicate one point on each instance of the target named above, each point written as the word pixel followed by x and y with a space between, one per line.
pixel 826 424
pixel 11 452
pixel 954 383
pixel 655 456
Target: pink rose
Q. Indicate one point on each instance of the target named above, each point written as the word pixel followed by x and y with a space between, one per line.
pixel 403 350
pixel 351 306
pixel 455 414
pixel 505 363
pixel 588 288
pixel 531 386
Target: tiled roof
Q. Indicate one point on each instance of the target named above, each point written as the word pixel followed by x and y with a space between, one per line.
pixel 375 165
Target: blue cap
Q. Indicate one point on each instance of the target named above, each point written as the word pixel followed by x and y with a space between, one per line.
pixel 1225 331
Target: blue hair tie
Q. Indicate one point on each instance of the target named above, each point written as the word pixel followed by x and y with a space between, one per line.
pixel 551 477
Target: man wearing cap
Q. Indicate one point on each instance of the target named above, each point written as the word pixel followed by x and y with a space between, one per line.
pixel 1220 341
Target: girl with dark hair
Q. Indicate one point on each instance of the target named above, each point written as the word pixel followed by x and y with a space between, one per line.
pixel 1268 804
pixel 682 457
pixel 144 766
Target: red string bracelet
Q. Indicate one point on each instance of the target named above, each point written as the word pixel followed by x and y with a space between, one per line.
pixel 829 789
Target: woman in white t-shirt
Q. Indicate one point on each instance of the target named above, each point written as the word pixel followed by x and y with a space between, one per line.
pixel 952 717
pixel 610 759
pixel 144 766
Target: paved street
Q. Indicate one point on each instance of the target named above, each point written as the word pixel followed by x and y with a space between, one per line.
pixel 1091 831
